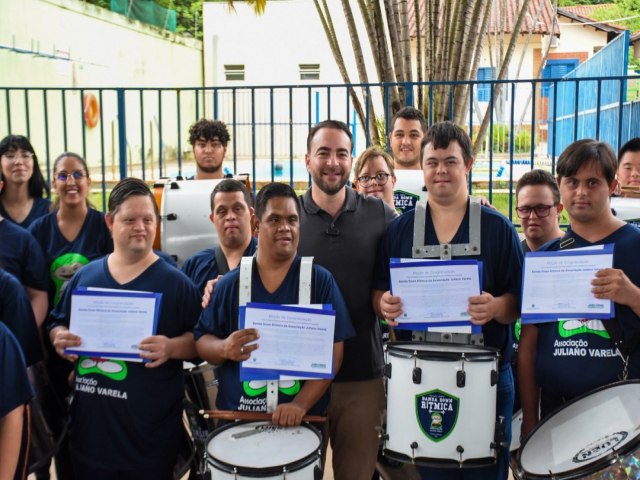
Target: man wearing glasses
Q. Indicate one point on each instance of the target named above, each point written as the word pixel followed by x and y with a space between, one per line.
pixel 538 200
pixel 208 139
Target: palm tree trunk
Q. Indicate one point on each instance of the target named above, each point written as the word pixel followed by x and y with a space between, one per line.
pixel 504 67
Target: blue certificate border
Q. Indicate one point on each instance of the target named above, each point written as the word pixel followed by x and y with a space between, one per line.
pixel 248 373
pixel 84 291
pixel 398 263
pixel 529 318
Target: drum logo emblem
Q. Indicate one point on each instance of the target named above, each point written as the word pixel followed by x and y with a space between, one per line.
pixel 437 413
pixel 602 446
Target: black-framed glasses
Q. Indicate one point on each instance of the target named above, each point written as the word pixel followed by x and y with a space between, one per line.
pixel 76 174
pixel 381 178
pixel 541 211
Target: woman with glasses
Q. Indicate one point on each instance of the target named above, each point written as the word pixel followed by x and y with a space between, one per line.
pixel 71 236
pixel 374 175
pixel 22 198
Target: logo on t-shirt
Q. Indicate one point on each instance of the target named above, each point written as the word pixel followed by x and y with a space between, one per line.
pixel 437 413
pixel 254 393
pixel 404 201
pixel 62 269
pixel 87 381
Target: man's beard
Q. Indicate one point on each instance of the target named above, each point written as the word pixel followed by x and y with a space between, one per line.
pixel 326 188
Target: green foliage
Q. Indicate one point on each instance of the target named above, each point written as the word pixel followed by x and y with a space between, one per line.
pixel 501 139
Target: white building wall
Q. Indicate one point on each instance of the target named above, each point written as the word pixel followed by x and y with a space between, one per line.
pixel 73 44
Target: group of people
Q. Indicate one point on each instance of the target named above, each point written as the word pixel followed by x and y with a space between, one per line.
pixel 126 416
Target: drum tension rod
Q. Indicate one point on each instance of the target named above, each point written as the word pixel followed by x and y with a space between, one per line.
pixel 414 446
pixel 461 375
pixel 416 374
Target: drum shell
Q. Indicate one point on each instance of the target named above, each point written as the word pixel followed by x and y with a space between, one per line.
pixel 603 423
pixel 475 426
pixel 307 467
pixel 201 391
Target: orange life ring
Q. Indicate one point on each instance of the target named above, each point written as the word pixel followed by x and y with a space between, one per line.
pixel 91 110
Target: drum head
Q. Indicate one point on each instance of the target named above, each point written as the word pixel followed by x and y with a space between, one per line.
pixel 252 446
pixel 586 434
pixel 516 428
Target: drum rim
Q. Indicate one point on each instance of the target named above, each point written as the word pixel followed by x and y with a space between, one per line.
pixel 480 354
pixel 263 472
pixel 603 461
pixel 441 462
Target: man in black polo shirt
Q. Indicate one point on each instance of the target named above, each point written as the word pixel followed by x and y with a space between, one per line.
pixel 342 229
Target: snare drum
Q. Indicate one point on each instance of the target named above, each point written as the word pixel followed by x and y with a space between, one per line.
pixel 201 391
pixel 441 404
pixel 262 450
pixel 595 436
pixel 185 206
pixel 516 428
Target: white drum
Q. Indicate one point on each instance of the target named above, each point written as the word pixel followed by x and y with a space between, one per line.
pixel 441 404
pixel 185 227
pixel 516 429
pixel 596 436
pixel 245 450
pixel 627 209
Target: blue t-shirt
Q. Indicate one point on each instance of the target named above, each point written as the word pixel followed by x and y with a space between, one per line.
pixel 21 256
pixel 500 253
pixel 124 415
pixel 63 257
pixel 40 207
pixel 221 318
pixel 576 356
pixel 203 266
pixel 15 389
pixel 17 314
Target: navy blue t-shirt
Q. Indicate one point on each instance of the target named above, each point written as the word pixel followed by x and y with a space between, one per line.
pixel 15 389
pixel 63 257
pixel 575 356
pixel 203 266
pixel 501 256
pixel 21 256
pixel 17 314
pixel 40 207
pixel 221 319
pixel 124 415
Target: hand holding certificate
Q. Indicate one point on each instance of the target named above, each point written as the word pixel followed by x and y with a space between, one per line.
pixel 558 284
pixel 295 342
pixel 435 293
pixel 112 323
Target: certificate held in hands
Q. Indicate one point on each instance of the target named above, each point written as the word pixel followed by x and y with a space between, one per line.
pixel 557 285
pixel 111 323
pixel 436 292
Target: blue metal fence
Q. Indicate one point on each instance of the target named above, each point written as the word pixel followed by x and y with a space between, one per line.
pixel 143 132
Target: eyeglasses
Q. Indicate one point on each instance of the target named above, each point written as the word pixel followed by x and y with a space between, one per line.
pixel 76 174
pixel 380 178
pixel 24 156
pixel 541 211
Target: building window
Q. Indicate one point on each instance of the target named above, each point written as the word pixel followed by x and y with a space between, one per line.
pixel 484 89
pixel 234 72
pixel 309 71
pixel 556 69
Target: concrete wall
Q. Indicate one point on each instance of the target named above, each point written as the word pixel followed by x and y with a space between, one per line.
pixel 69 44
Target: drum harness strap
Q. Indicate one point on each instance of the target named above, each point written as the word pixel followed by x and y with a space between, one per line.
pixel 625 346
pixel 221 261
pixel 304 298
pixel 446 251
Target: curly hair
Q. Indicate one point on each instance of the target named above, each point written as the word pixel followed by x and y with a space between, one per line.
pixel 209 130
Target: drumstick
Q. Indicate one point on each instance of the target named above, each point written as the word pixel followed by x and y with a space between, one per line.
pixel 252 416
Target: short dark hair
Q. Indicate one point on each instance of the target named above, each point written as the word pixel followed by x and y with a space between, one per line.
pixel 441 134
pixel 581 152
pixel 335 124
pixel 126 188
pixel 409 113
pixel 37 186
pixel 632 145
pixel 229 185
pixel 539 177
pixel 274 190
pixel 209 130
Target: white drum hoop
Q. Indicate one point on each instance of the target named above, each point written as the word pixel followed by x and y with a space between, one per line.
pixel 587 469
pixel 273 470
